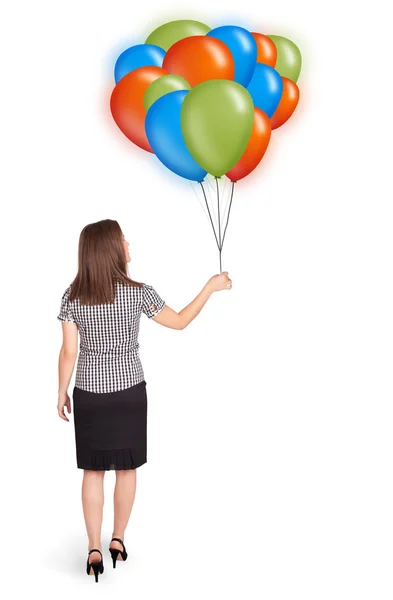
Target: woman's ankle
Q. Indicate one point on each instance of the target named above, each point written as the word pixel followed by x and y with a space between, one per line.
pixel 119 535
pixel 95 544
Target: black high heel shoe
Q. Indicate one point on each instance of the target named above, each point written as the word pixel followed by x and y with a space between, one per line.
pixel 117 554
pixel 96 567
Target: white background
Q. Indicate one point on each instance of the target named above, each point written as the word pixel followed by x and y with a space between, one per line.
pixel 270 417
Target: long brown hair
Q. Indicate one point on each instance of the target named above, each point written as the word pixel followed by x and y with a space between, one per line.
pixel 101 263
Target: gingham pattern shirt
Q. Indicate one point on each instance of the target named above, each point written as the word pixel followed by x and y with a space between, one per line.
pixel 108 359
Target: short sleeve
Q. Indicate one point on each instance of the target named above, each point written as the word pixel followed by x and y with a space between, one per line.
pixel 65 313
pixel 152 302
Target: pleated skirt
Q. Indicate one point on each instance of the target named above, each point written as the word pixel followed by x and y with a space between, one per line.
pixel 110 428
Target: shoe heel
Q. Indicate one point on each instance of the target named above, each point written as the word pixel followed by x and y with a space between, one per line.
pixel 114 554
pixel 96 569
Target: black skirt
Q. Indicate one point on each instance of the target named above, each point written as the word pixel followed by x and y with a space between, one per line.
pixel 110 428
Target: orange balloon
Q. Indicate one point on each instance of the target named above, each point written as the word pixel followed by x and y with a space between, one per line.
pixel 199 58
pixel 127 105
pixel 287 104
pixel 267 51
pixel 256 148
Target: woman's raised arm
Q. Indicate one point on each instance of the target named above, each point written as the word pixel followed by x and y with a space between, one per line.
pixel 179 320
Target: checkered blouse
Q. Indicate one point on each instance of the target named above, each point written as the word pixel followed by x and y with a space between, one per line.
pixel 108 358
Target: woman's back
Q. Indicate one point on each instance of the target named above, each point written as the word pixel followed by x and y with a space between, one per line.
pixel 108 358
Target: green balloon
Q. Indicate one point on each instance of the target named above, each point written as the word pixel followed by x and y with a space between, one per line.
pixel 289 59
pixel 216 120
pixel 170 33
pixel 163 85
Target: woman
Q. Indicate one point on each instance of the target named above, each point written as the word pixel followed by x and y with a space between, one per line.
pixel 110 404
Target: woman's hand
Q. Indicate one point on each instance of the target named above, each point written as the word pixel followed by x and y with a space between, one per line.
pixel 64 400
pixel 220 282
pixel 180 320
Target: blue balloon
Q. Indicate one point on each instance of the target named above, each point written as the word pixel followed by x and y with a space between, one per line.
pixel 143 55
pixel 163 130
pixel 243 48
pixel 266 88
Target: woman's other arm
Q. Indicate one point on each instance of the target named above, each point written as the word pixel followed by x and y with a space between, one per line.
pixel 179 320
pixel 67 358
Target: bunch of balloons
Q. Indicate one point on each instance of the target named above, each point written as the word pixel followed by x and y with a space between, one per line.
pixel 205 101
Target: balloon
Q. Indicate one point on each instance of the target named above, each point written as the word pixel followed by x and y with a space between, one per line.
pixel 127 106
pixel 256 148
pixel 267 51
pixel 168 34
pixel 198 59
pixel 289 59
pixel 164 133
pixel 143 55
pixel 266 88
pixel 217 119
pixel 243 47
pixel 164 85
pixel 287 105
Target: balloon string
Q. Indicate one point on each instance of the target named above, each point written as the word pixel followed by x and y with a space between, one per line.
pixel 230 204
pixel 219 221
pixel 211 220
pixel 209 183
pixel 199 200
pixel 226 202
pixel 210 190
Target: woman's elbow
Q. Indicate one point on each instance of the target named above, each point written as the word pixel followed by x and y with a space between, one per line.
pixel 183 324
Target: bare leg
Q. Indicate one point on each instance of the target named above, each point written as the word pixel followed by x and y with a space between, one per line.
pixel 123 501
pixel 93 504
